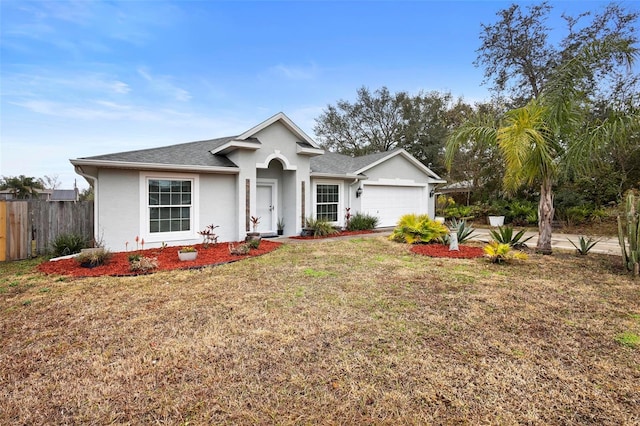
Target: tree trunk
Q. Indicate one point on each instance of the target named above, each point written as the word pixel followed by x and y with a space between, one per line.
pixel 545 218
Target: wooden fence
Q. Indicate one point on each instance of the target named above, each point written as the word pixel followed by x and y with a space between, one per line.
pixel 28 227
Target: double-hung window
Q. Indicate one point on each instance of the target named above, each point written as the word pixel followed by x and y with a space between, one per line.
pixel 170 205
pixel 327 199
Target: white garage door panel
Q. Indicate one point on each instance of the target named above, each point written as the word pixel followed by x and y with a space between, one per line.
pixel 388 203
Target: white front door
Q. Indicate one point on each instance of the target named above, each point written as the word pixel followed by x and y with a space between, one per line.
pixel 266 206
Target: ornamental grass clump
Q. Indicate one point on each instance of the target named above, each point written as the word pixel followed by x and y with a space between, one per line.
pixel 418 229
pixel 362 222
pixel 320 227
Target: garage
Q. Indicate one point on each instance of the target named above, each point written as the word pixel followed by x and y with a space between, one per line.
pixel 389 202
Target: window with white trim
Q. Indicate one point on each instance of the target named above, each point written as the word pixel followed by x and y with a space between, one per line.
pixel 170 204
pixel 327 199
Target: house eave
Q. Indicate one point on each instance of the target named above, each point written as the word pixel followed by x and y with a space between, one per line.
pixel 337 176
pixel 312 152
pixel 233 145
pixel 154 166
pixel 406 155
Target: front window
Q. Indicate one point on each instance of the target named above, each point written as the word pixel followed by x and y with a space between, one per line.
pixel 327 202
pixel 170 204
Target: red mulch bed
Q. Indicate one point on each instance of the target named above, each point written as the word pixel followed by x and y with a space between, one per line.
pixel 168 260
pixel 339 234
pixel 441 250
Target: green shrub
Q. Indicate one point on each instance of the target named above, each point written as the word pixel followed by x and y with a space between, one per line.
pixel 458 212
pixel 254 243
pixel 66 244
pixel 362 222
pixel 502 253
pixel 519 212
pixel 413 228
pixel 577 215
pixel 320 227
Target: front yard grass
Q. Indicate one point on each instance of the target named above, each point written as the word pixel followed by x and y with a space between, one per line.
pixel 346 332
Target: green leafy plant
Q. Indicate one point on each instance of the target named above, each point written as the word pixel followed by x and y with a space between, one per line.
pixel 134 257
pixel 66 244
pixel 629 234
pixel 584 244
pixel 254 244
pixel 502 253
pixel 362 222
pixel 280 224
pixel 505 235
pixel 143 264
pixel 93 258
pixel 320 227
pixel 414 228
pixel 519 212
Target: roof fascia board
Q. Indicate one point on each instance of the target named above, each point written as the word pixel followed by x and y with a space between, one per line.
pixel 338 176
pixel 287 122
pixel 309 151
pixel 406 155
pixel 154 166
pixel 233 145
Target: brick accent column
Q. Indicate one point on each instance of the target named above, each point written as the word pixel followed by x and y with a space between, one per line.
pixel 304 203
pixel 247 208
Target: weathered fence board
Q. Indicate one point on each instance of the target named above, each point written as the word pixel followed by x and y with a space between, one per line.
pixel 32 225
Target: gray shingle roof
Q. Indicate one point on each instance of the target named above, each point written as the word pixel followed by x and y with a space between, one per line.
pixel 187 154
pixel 64 195
pixel 338 164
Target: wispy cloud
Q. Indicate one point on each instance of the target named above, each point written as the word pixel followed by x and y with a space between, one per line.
pixel 162 85
pixel 291 72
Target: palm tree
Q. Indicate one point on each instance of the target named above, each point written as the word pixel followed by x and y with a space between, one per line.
pixel 22 187
pixel 547 133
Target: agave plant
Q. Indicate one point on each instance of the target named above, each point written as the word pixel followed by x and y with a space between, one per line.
pixel 584 245
pixel 463 230
pixel 505 235
pixel 501 253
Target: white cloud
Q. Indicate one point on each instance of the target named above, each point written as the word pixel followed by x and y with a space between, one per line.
pixel 120 87
pixel 163 86
pixel 289 72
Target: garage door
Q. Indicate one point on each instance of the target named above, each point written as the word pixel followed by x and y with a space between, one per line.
pixel 388 202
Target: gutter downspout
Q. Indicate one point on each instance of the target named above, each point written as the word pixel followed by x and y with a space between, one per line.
pixel 95 200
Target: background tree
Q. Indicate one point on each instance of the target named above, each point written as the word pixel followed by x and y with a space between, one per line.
pixel 50 182
pixel 381 121
pixel 518 57
pixel 549 131
pixel 22 187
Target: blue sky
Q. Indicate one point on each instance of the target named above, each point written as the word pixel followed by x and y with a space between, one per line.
pixel 83 78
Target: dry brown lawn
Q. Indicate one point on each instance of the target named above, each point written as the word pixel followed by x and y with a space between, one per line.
pixel 357 331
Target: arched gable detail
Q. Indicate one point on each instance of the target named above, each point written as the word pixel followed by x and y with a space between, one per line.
pixel 276 155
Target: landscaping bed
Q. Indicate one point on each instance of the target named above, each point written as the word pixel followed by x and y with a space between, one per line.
pixel 441 250
pixel 338 234
pixel 167 258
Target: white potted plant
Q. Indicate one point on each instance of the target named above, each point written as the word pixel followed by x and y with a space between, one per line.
pixel 496 216
pixel 187 254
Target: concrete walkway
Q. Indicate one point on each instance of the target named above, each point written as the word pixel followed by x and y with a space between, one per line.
pixel 605 245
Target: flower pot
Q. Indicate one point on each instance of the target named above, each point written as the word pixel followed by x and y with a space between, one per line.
pixel 496 220
pixel 187 256
pixel 439 219
pixel 280 231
